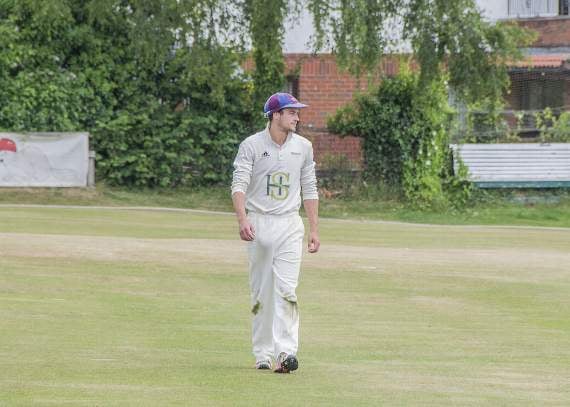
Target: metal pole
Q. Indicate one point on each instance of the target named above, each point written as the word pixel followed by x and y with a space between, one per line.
pixel 91 170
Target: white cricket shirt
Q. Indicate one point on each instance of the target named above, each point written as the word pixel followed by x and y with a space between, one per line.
pixel 273 176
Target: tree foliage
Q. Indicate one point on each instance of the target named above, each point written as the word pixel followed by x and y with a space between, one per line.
pixel 265 19
pixel 406 122
pixel 445 36
pixel 156 83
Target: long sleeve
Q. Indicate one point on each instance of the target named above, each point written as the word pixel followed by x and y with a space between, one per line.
pixel 308 177
pixel 243 168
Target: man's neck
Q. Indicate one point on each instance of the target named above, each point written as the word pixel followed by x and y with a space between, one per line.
pixel 278 135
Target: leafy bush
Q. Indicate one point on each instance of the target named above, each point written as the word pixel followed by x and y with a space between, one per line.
pixel 553 128
pixel 406 139
pixel 165 103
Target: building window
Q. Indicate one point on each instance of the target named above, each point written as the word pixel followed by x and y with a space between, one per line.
pixel 292 85
pixel 564 7
pixel 536 91
pixel 534 8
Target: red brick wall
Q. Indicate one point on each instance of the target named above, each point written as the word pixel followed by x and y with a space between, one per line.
pixel 552 32
pixel 325 88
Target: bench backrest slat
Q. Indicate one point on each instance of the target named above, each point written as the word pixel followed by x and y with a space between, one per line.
pixel 516 163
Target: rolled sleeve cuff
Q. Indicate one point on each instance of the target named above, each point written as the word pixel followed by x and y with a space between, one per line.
pixel 310 195
pixel 238 189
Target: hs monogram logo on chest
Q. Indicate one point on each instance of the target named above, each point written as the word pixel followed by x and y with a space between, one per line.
pixel 278 185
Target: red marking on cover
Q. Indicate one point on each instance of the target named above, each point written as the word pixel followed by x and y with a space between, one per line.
pixel 7 145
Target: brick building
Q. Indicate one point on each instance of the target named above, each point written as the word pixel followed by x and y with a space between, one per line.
pixel 542 80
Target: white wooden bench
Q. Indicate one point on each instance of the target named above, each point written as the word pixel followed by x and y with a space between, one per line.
pixel 525 165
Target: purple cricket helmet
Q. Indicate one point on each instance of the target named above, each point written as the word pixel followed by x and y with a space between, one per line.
pixel 279 101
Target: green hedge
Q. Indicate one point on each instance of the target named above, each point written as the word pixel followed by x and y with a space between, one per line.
pixel 161 112
pixel 405 132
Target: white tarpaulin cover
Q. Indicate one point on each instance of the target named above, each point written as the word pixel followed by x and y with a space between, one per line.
pixel 44 159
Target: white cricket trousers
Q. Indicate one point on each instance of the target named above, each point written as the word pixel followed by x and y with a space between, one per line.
pixel 274 265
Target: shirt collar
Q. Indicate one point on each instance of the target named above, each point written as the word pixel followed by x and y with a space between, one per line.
pixel 270 140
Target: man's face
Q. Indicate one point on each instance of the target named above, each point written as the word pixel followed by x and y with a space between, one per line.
pixel 287 118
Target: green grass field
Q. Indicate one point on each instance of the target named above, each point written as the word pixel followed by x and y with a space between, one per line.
pixel 514 207
pixel 151 308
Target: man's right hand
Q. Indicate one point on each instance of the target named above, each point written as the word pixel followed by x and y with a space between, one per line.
pixel 246 231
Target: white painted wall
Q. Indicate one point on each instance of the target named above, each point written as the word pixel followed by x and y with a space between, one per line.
pixel 499 9
pixel 297 37
pixel 494 9
pixel 297 34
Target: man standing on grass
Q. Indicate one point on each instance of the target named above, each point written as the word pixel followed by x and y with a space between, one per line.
pixel 273 169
